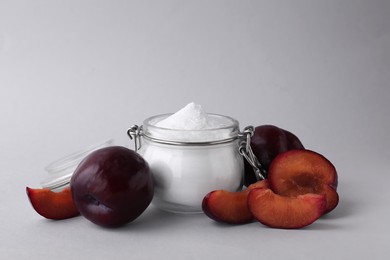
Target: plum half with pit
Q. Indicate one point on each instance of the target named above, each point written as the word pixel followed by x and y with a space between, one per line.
pixel 298 172
pixel 267 142
pixel 112 186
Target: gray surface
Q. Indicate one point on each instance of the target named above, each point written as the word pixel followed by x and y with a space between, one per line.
pixel 75 73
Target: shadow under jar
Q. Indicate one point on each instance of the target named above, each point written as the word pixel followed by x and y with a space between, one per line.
pixel 188 164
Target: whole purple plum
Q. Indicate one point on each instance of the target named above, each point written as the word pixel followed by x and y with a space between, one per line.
pixel 112 186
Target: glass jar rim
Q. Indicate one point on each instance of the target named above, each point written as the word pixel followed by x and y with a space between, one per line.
pixel 227 131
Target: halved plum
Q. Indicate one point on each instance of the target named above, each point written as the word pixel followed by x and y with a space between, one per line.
pixel 278 211
pixel 298 172
pixel 230 207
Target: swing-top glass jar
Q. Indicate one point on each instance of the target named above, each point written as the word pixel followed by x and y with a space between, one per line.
pixel 187 164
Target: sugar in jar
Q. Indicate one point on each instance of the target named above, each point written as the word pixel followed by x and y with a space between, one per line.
pixel 188 161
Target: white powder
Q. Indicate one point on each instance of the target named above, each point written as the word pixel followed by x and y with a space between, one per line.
pixel 192 123
pixel 190 117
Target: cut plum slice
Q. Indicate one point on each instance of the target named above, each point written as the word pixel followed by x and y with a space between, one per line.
pixel 230 207
pixel 52 205
pixel 277 211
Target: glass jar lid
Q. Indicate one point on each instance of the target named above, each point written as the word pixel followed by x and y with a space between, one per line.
pixel 61 171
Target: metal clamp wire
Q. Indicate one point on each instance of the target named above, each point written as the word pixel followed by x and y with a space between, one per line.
pixel 246 151
pixel 135 132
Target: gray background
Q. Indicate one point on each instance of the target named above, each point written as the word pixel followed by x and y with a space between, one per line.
pixel 74 73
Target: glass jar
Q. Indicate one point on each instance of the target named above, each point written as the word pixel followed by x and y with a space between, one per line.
pixel 188 164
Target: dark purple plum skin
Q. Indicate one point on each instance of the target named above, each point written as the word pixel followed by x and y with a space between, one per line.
pixel 112 186
pixel 267 142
